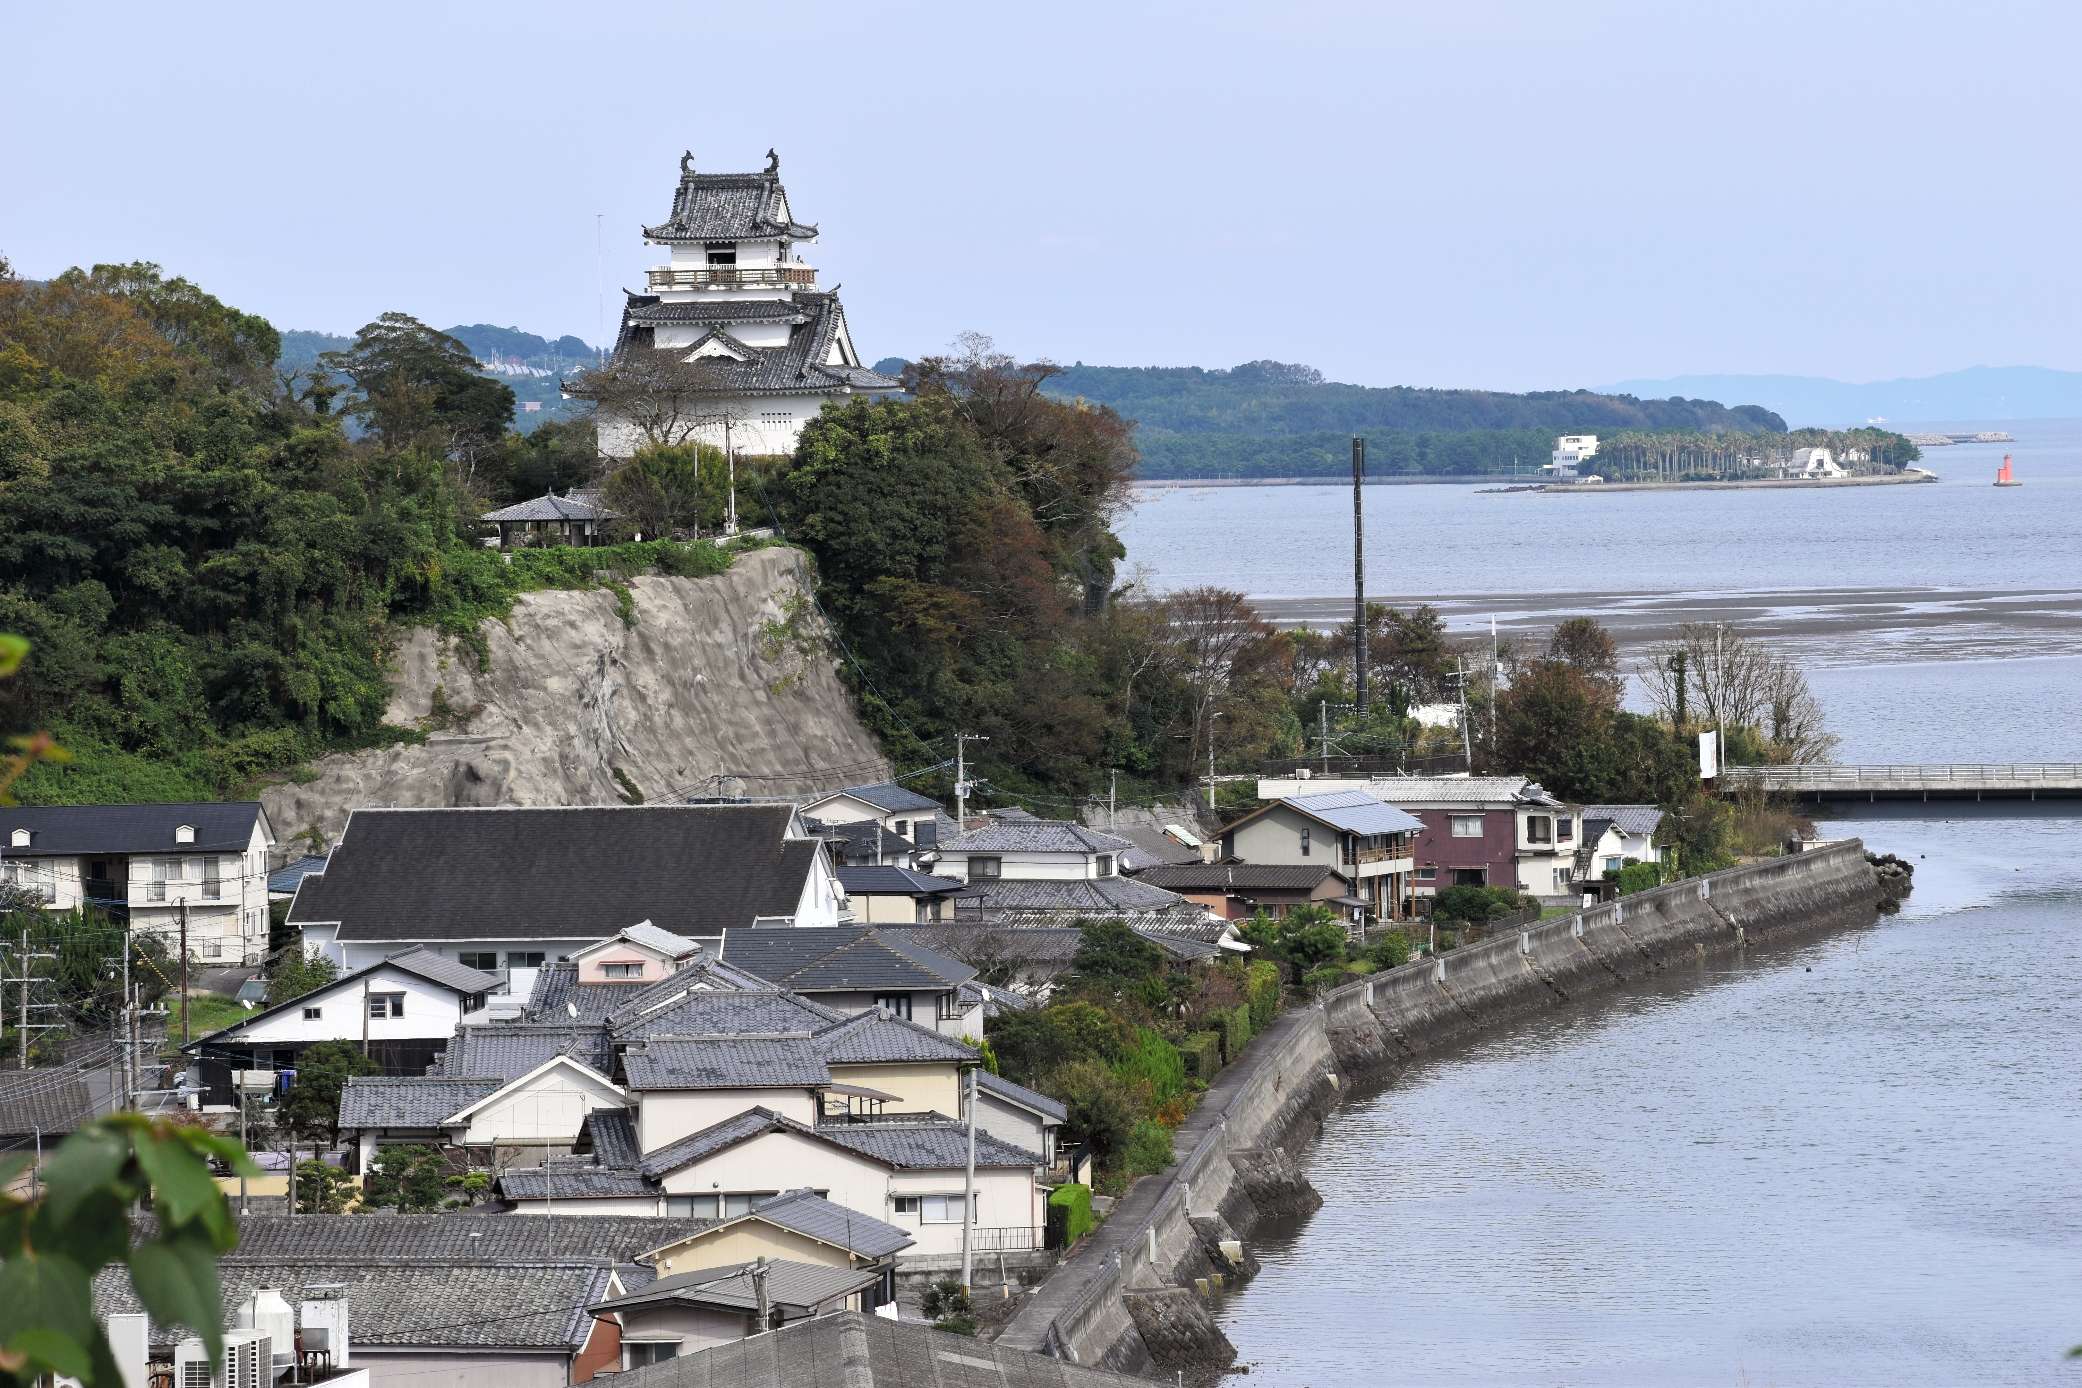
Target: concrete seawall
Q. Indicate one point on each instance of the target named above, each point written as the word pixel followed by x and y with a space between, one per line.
pixel 1131 1297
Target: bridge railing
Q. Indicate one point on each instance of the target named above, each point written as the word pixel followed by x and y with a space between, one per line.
pixel 1957 774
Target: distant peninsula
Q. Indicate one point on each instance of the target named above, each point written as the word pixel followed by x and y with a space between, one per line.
pixel 1976 393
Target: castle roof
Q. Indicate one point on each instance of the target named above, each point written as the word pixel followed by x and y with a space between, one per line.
pixel 729 207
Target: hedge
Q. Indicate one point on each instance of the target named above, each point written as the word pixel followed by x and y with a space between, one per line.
pixel 1070 1215
pixel 1202 1054
pixel 1262 987
pixel 1236 1031
pixel 1155 1060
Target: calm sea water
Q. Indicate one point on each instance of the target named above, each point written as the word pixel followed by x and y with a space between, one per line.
pixel 1846 1162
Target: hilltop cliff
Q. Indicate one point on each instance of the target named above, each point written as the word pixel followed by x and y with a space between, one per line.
pixel 727 675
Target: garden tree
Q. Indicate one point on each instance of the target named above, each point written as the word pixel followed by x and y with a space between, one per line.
pixel 664 397
pixel 410 1178
pixel 1558 726
pixel 946 1304
pixel 557 456
pixel 1102 1108
pixel 659 491
pixel 1736 683
pixel 312 1106
pixel 322 1188
pixel 295 973
pixel 1304 938
pixel 417 388
pixel 1583 645
pixel 79 1222
pixel 1221 640
pixel 1110 951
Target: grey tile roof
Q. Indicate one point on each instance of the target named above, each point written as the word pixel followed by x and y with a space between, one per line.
pixel 1021 1095
pixel 715 1013
pixel 725 1063
pixel 874 879
pixel 50 1101
pixel 647 310
pixel 874 1037
pixel 790 1287
pixel 575 1179
pixel 1079 896
pixel 540 1307
pixel 654 937
pixel 551 507
pixel 64 830
pixel 611 1133
pixel 556 873
pixel 798 366
pixel 407 1101
pixel 728 207
pixel 507 1050
pixel 438 1240
pixel 1009 940
pixel 1239 877
pixel 449 973
pixel 892 798
pixel 1034 836
pixel 813 1216
pixel 1443 792
pixel 715 1138
pixel 1355 812
pixel 935 1145
pixel 845 958
pixel 848 1349
pixel 284 880
pixel 1642 820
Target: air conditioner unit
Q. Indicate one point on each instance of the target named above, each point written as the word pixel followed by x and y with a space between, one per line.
pixel 247 1362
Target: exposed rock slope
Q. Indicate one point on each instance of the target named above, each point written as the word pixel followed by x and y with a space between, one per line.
pixel 725 677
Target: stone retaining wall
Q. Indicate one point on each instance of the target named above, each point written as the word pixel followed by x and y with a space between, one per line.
pixel 1119 1304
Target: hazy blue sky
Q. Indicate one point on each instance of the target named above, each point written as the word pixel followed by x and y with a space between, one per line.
pixel 1512 193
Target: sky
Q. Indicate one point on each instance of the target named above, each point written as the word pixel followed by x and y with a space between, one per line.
pixel 1514 194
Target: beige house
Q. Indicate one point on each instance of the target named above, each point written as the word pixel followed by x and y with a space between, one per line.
pixel 886 894
pixel 692 1310
pixel 1364 838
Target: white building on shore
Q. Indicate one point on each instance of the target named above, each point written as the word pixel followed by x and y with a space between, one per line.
pixel 736 294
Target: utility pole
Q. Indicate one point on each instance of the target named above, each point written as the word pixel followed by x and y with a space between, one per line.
pixel 184 970
pixel 968 1187
pixel 1460 677
pixel 961 775
pixel 1359 575
pixel 1323 732
pixel 238 1078
pixel 1113 785
pixel 1212 808
pixel 1677 676
pixel 1496 682
pixel 25 978
pixel 730 463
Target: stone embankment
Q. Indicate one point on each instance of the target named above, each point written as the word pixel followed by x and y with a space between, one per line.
pixel 1134 1296
pixel 724 676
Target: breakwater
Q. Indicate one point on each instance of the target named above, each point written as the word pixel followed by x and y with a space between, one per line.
pixel 1133 1296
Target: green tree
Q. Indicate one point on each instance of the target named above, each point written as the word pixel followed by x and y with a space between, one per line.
pixel 418 388
pixel 321 1188
pixel 312 1106
pixel 409 1178
pixel 946 1304
pixel 1109 950
pixel 295 973
pixel 661 491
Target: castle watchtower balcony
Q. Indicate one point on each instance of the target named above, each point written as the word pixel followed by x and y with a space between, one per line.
pixel 731 277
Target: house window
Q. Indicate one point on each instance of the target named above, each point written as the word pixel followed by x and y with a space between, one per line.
pixel 312 1014
pixel 1304 841
pixel 1539 829
pixel 621 971
pixel 20 838
pixel 1564 829
pixel 472 1002
pixel 723 1205
pixel 383 1005
pixel 524 958
pixel 643 1352
pixel 1471 877
pixel 898 1004
pixel 486 959
pixel 184 833
pixel 722 252
pixel 212 877
pixel 1614 864
pixel 931 1209
pixel 1105 864
pixel 1427 874
pixel 1467 826
pixel 926 911
pixel 947 1006
pixel 986 867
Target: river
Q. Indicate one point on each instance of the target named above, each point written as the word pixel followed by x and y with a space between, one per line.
pixel 1850 1161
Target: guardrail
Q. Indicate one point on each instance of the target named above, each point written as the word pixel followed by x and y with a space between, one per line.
pixel 1897 779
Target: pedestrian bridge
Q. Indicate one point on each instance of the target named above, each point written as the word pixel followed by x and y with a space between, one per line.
pixel 1992 781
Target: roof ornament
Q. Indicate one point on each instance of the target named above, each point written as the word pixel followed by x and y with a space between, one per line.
pixel 773 163
pixel 687 164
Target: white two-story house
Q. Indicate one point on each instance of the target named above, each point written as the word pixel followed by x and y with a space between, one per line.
pixel 201 868
pixel 1370 842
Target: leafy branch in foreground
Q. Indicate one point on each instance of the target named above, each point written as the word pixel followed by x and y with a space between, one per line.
pixel 52 1245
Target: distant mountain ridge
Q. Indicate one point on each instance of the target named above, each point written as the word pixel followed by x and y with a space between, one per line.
pixel 1975 393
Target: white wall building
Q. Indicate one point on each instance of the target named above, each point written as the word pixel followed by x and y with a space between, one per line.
pixel 736 294
pixel 1571 451
pixel 153 863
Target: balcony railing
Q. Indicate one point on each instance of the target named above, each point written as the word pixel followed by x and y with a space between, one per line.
pixel 733 277
pixel 1010 1238
pixel 1383 855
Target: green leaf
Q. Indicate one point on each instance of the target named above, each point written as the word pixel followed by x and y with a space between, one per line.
pixel 176 1279
pixel 12 649
pixel 89 1160
pixel 46 1311
pixel 96 1234
pixel 11 1167
pixel 182 1187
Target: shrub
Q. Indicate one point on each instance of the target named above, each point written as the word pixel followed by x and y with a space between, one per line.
pixel 1236 1031
pixel 1388 950
pixel 1324 977
pixel 947 1302
pixel 1110 950
pixel 1262 990
pixel 1474 903
pixel 1149 1148
pixel 1102 1107
pixel 1155 1062
pixel 1070 1214
pixel 1030 1044
pixel 1202 1054
pixel 1639 877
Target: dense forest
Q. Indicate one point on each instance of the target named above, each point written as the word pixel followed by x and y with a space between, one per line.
pixel 1278 419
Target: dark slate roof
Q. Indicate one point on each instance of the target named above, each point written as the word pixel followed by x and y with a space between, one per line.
pixel 874 1037
pixel 725 1063
pixel 790 1286
pixel 505 1051
pixel 813 1216
pixel 1083 896
pixel 741 1127
pixel 284 880
pixel 1238 877
pixel 64 830
pixel 557 989
pixel 849 1349
pixel 1639 820
pixel 892 798
pixel 551 507
pixel 420 963
pixel 454 1237
pixel 1021 1095
pixel 796 367
pixel 539 1306
pixel 1024 835
pixel 1008 940
pixel 935 1144
pixel 575 1179
pixel 50 1101
pixel 845 958
pixel 407 1101
pixel 715 1013
pixel 649 311
pixel 556 873
pixel 728 207
pixel 611 1133
pixel 869 879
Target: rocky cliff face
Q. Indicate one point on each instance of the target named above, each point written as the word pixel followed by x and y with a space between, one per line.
pixel 723 685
